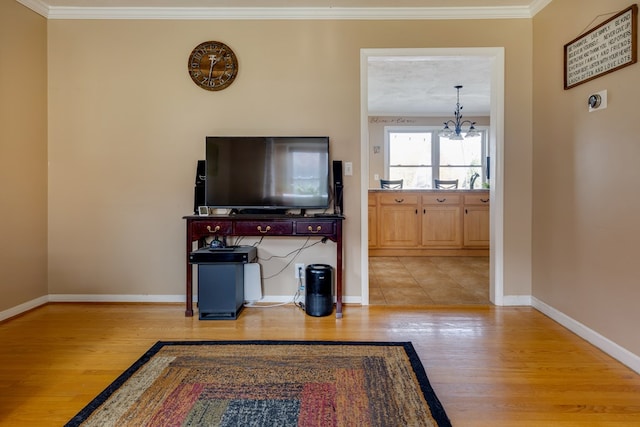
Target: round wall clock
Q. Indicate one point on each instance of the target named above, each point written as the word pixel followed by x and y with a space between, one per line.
pixel 213 65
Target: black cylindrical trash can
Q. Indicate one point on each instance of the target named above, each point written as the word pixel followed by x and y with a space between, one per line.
pixel 318 299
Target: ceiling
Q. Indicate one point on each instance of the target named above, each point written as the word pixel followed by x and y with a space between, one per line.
pixel 397 85
pixel 424 85
pixel 288 3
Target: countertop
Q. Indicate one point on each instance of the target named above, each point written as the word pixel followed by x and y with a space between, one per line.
pixel 429 190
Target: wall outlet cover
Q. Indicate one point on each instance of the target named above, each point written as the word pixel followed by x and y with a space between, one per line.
pixel 299 272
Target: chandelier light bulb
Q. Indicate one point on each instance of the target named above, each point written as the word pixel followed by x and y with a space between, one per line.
pixel 456 132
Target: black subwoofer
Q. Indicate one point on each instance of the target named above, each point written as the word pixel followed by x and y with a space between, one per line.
pixel 318 299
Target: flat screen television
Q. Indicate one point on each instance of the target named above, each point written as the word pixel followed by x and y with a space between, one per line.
pixel 267 174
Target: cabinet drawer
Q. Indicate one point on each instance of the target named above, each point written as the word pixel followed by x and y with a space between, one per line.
pixel 476 199
pixel 212 227
pixel 441 199
pixel 323 228
pixel 258 228
pixel 398 199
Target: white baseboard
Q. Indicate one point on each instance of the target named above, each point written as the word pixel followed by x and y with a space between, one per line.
pixel 163 298
pixel 611 348
pixel 19 309
pixel 114 298
pixel 516 300
pixel 289 298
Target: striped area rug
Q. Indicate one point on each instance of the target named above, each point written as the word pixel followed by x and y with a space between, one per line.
pixel 270 383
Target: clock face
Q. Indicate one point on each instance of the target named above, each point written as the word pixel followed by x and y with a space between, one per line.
pixel 213 65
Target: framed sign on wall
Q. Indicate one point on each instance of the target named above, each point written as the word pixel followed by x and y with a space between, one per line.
pixel 604 49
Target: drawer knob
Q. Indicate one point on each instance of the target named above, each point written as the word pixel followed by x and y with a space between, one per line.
pixel 317 230
pixel 216 229
pixel 484 200
pixel 441 200
pixel 266 230
pixel 399 200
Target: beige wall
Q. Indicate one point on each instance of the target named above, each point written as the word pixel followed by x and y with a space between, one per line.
pixel 23 155
pixel 586 201
pixel 127 126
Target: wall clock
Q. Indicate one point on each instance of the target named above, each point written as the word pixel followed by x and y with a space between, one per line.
pixel 213 65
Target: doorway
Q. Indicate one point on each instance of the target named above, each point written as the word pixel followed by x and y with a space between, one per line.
pixel 496 144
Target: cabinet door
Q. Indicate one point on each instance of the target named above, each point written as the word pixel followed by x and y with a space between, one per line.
pixel 398 219
pixel 373 225
pixel 476 226
pixel 441 220
pixel 441 226
pixel 476 220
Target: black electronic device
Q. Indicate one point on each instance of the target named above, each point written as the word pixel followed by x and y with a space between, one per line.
pixel 267 174
pixel 337 172
pixel 318 290
pixel 338 188
pixel 224 254
pixel 216 243
pixel 199 190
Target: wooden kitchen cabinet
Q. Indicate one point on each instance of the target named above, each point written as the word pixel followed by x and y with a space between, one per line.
pixel 373 221
pixel 398 224
pixel 441 221
pixel 476 221
pixel 428 222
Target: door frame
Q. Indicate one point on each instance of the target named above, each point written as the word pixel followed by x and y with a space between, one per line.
pixel 496 153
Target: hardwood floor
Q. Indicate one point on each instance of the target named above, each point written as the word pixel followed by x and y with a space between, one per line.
pixel 490 366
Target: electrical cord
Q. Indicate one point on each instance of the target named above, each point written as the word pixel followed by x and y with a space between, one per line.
pixel 294 300
pixel 297 295
pixel 299 304
pixel 295 251
pixel 280 304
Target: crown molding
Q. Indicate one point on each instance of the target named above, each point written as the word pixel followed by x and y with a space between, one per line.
pixel 537 5
pixel 291 13
pixel 37 6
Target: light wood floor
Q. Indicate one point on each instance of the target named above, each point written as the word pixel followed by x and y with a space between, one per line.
pixel 490 366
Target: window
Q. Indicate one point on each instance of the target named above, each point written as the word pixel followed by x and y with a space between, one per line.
pixel 410 155
pixel 419 156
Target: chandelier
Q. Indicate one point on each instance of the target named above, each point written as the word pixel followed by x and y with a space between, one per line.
pixel 456 132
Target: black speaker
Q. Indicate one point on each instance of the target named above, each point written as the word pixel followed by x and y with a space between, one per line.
pixel 337 172
pixel 338 207
pixel 199 192
pixel 318 285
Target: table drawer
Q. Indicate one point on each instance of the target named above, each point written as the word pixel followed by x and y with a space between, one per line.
pixel 259 228
pixel 212 227
pixel 441 199
pixel 323 228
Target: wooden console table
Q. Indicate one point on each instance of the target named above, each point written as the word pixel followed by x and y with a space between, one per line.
pixel 200 227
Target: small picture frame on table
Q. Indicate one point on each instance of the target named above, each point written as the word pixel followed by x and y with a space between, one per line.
pixel 203 211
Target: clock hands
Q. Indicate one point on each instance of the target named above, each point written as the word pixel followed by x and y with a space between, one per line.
pixel 214 60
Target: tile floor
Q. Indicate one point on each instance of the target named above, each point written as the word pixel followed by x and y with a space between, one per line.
pixel 428 280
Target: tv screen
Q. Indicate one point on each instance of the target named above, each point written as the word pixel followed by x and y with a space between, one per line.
pixel 267 173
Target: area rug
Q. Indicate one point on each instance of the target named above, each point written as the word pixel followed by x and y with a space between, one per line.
pixel 270 383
